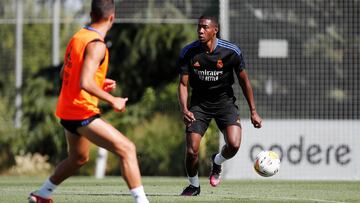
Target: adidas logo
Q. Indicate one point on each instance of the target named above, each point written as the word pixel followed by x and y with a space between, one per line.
pixel 196 64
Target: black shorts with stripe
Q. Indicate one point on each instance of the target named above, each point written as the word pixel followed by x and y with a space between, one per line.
pixel 73 125
pixel 225 114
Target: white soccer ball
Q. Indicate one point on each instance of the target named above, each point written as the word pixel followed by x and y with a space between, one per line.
pixel 267 163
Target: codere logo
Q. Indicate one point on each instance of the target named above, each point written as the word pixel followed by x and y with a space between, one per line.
pixel 312 153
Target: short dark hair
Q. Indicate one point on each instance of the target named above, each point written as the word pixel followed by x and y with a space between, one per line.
pixel 212 18
pixel 101 9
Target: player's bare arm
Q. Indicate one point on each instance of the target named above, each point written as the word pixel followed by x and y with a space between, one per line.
pixel 249 95
pixel 61 72
pixel 94 54
pixel 188 116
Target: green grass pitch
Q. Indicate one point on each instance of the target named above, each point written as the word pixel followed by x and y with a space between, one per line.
pixel 167 189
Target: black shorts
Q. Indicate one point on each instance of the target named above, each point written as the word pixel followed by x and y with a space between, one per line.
pixel 225 114
pixel 73 125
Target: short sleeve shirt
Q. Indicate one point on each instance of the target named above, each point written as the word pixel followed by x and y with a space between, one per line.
pixel 210 72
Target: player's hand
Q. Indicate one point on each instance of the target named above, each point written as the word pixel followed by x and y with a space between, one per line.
pixel 109 85
pixel 188 118
pixel 256 119
pixel 119 104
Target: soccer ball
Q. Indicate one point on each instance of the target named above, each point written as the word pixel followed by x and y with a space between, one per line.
pixel 267 163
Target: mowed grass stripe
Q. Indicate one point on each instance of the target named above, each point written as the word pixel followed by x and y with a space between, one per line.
pixel 167 189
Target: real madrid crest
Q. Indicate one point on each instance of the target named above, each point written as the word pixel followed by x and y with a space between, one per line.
pixel 219 64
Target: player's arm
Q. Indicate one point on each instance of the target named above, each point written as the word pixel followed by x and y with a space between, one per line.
pixel 249 95
pixel 247 89
pixel 183 92
pixel 94 54
pixel 188 116
pixel 62 72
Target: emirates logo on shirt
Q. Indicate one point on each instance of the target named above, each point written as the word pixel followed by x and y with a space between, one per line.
pixel 219 64
pixel 196 64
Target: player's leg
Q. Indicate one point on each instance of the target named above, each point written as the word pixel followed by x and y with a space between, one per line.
pixel 192 154
pixel 228 121
pixel 105 135
pixel 78 155
pixel 194 133
pixel 192 164
pixel 232 136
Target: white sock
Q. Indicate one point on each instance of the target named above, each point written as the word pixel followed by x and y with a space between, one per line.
pixel 219 159
pixel 194 181
pixel 138 195
pixel 46 189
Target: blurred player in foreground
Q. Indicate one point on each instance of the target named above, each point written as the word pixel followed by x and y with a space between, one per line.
pixel 208 65
pixel 83 84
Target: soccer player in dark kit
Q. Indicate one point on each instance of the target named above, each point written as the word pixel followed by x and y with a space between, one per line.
pixel 208 65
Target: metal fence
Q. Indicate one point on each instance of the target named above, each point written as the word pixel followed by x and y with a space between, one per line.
pixel 302 55
pixel 303 60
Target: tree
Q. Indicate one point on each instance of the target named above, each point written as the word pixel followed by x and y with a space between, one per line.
pixel 146 55
pixel 317 79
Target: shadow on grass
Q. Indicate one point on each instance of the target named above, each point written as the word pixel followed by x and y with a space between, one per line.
pixel 116 194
